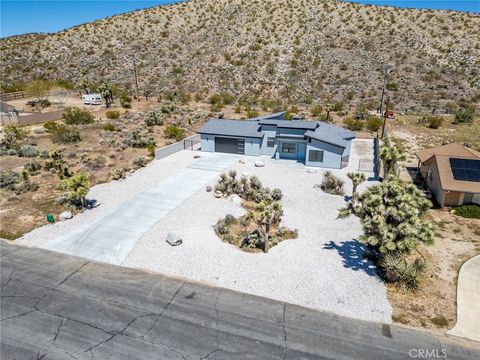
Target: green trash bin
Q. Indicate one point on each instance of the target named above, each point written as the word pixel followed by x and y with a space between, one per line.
pixel 50 218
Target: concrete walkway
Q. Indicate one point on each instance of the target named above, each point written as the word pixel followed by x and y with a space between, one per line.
pixel 111 237
pixel 468 301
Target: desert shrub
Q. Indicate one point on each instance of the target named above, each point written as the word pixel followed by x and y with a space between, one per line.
pixel 373 123
pixel 167 109
pixel 331 184
pixel 138 140
pixel 174 132
pixel 125 101
pixel 316 110
pixel 469 135
pixel 12 135
pixel 112 114
pixel 469 211
pixel 402 272
pixel 65 134
pixel 252 114
pixel 118 174
pixel 354 124
pixel 153 118
pixel 77 116
pixel 28 151
pixel 151 149
pixel 8 179
pixel 465 114
pixel 223 225
pixel 50 125
pixel 57 163
pixel 220 100
pixel 32 167
pixel 434 122
pixel 109 127
pixel 139 162
pixel 277 194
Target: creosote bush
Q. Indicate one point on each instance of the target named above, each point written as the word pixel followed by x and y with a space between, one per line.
pixel 112 114
pixel 77 116
pixel 174 132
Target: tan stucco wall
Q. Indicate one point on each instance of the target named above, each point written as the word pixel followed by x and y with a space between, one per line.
pixel 452 198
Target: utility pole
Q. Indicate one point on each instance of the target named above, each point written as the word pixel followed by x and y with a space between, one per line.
pixel 136 78
pixel 385 73
pixel 385 116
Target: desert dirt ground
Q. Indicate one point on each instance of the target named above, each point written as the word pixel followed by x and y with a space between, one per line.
pixel 99 152
pixel 456 240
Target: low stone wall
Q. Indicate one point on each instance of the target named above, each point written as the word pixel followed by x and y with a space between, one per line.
pixel 178 146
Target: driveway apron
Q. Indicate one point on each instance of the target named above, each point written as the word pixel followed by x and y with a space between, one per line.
pixel 110 238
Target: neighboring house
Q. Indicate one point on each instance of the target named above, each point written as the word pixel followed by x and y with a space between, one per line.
pixel 310 142
pixel 452 173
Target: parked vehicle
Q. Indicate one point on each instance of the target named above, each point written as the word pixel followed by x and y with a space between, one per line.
pixel 92 99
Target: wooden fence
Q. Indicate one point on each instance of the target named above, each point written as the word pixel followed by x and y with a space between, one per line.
pixel 13 95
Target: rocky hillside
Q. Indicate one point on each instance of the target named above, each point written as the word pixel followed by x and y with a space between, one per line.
pixel 304 50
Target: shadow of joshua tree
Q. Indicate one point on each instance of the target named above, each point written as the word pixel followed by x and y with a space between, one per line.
pixel 352 253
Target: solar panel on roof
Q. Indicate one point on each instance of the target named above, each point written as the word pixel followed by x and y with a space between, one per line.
pixel 465 169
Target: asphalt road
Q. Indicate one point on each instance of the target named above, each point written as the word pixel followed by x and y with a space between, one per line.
pixel 55 306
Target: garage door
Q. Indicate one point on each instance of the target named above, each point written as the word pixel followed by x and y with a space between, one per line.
pixel 230 145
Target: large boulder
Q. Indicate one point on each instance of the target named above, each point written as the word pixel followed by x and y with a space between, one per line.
pixel 259 163
pixel 66 215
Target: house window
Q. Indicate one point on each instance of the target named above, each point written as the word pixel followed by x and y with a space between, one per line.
pixel 289 148
pixel 315 156
pixel 270 142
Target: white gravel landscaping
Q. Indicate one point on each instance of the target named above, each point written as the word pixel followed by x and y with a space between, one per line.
pixel 322 269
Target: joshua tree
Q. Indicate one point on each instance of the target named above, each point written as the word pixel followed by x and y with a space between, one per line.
pixel 269 212
pixel 391 215
pixel 390 156
pixel 85 85
pixel 107 93
pixel 357 179
pixel 328 109
pixel 77 187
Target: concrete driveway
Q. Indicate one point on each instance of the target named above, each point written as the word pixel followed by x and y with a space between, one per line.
pixel 111 237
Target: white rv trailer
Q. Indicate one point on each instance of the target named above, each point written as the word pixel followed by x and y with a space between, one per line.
pixel 92 99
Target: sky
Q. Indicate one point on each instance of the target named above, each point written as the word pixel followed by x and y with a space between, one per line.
pixel 25 16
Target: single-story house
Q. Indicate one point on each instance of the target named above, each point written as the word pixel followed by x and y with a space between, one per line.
pixel 310 142
pixel 452 173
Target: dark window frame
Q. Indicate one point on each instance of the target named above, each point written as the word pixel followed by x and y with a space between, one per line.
pixel 270 142
pixel 313 155
pixel 287 148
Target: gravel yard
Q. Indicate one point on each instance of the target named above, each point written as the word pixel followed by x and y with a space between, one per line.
pixel 322 269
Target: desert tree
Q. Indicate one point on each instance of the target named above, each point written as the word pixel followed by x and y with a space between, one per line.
pixel 77 187
pixel 390 156
pixel 268 212
pixel 391 214
pixel 357 178
pixel 107 93
pixel 328 109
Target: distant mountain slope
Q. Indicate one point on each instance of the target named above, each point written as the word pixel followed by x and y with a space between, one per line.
pixel 310 49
